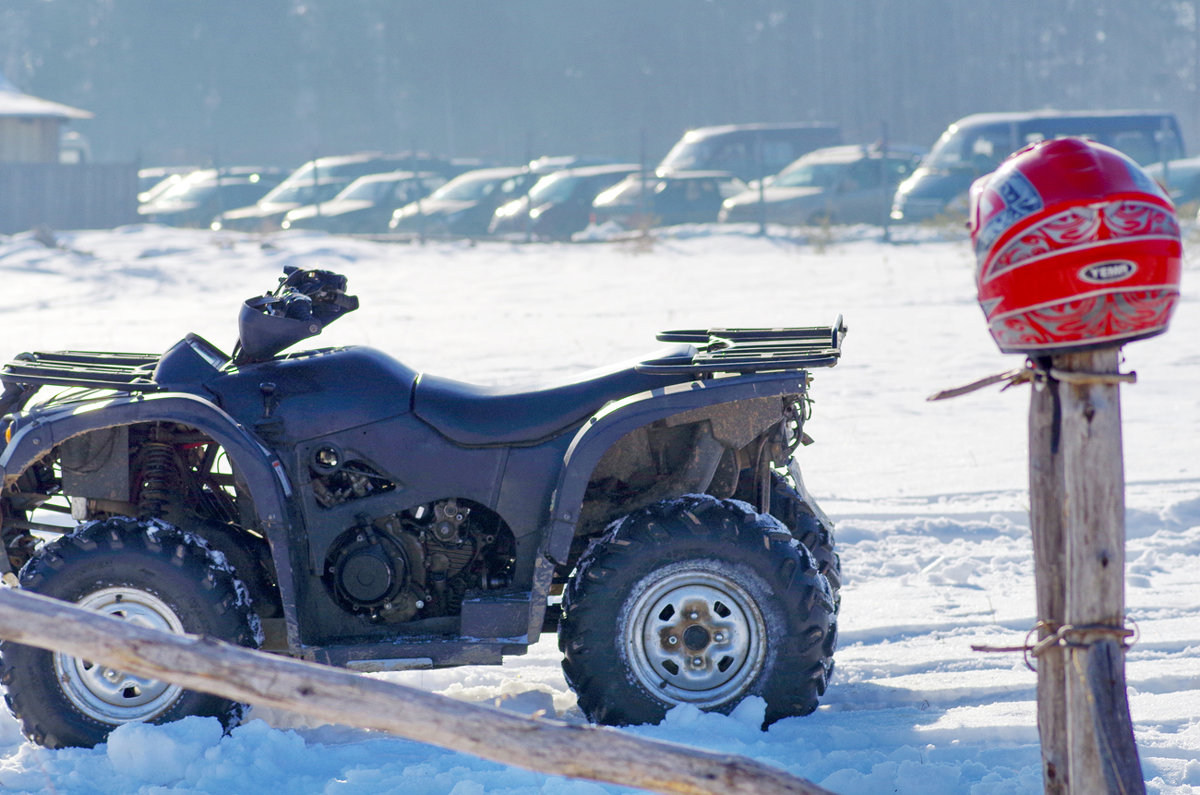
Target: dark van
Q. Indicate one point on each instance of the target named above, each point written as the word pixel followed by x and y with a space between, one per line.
pixel 748 151
pixel 975 145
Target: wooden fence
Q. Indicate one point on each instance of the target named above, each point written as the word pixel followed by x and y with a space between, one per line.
pixel 339 696
pixel 67 196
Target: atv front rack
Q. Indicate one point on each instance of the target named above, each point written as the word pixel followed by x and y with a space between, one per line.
pixel 751 350
pixel 130 372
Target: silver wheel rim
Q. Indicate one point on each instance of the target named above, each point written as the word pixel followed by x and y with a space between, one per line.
pixel 695 637
pixel 107 694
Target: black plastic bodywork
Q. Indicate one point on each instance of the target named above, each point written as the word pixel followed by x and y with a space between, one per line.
pixel 294 426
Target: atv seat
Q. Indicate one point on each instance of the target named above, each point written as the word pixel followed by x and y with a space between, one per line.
pixel 488 415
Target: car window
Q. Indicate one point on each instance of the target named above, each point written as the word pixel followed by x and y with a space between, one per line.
pixel 514 185
pixel 468 188
pixel 241 194
pixel 777 153
pixel 1168 144
pixel 811 175
pixel 594 184
pixel 730 187
pixel 553 188
pixel 1138 144
pixel 980 149
pixel 899 168
pixel 687 155
pixel 626 191
pixel 862 174
pixel 302 192
pixel 409 190
pixel 187 191
pixel 731 155
pixel 371 190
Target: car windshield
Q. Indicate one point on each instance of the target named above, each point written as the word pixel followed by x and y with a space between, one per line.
pixel 188 190
pixel 554 188
pixel 686 155
pixel 197 194
pixel 301 193
pixel 981 149
pixel 810 175
pixel 372 190
pixel 344 169
pixel 468 188
pixel 626 191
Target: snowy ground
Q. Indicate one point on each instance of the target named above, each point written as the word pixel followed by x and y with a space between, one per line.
pixel 930 498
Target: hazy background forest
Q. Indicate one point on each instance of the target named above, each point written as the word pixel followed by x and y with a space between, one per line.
pixel 277 81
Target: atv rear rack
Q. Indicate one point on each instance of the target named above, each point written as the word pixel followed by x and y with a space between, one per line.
pixel 129 372
pixel 751 350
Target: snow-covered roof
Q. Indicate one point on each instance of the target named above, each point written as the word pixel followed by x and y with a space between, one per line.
pixel 15 103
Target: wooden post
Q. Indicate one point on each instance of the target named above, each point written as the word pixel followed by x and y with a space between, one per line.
pixel 1101 747
pixel 1047 504
pixel 339 696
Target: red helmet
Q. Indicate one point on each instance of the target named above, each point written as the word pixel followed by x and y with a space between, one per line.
pixel 1076 247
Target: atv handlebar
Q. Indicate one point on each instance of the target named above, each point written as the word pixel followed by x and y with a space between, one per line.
pixel 304 303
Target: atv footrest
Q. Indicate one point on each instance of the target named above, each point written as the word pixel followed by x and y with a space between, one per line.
pixel 131 372
pixel 751 350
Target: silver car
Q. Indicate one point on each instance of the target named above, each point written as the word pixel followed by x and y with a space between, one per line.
pixel 839 184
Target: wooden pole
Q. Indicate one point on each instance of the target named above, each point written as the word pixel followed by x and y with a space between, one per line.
pixel 1101 747
pixel 1047 504
pixel 339 696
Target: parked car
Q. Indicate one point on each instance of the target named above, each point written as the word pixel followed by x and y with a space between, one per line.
pixel 748 151
pixel 559 204
pixel 320 180
pixel 839 184
pixel 548 164
pixel 1180 178
pixel 194 199
pixel 267 213
pixel 975 145
pixel 645 200
pixel 153 181
pixel 464 205
pixel 366 204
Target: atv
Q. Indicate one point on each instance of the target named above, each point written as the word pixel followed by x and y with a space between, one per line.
pixel 336 506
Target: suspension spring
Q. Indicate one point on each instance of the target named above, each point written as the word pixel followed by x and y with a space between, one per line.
pixel 159 478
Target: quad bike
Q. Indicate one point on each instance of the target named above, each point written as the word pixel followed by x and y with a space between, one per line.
pixel 336 506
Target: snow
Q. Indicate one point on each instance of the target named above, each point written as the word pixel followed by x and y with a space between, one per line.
pixel 15 103
pixel 930 498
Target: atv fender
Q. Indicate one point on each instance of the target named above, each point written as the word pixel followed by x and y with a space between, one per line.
pixel 261 469
pixel 603 429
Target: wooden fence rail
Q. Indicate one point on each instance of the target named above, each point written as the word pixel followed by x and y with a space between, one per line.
pixel 338 696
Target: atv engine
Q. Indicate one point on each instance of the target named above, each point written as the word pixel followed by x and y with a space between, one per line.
pixel 420 563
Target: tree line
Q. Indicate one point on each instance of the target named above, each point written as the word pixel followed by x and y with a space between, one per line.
pixel 277 81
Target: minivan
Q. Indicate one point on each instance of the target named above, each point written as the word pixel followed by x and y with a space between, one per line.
pixel 748 151
pixel 974 145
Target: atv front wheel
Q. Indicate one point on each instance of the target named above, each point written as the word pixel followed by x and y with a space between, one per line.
pixel 147 573
pixel 790 507
pixel 696 601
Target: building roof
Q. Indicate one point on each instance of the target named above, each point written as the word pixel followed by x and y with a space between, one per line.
pixel 14 103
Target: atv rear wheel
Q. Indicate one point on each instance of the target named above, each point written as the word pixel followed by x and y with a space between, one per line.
pixel 148 573
pixel 696 601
